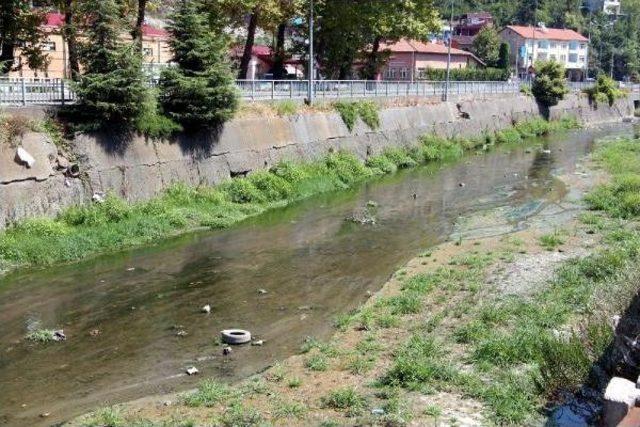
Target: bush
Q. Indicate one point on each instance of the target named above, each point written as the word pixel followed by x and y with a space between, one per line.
pixel 466 74
pixel 271 186
pixel 13 128
pixel 243 191
pixel 368 111
pixel 346 167
pixel 549 85
pixel 605 90
pixel 381 164
pixel 152 122
pixel 400 158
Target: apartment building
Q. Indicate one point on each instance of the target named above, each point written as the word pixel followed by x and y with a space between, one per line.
pixel 531 44
pixel 155 48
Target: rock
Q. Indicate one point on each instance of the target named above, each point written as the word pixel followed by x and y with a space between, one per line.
pixel 192 371
pixel 182 333
pixel 131 269
pixel 59 335
pixel 620 395
pixel 462 184
pixel 257 342
pixel 262 291
pixel 23 157
pixel 97 198
pixel 62 163
pixel 45 414
pixel 67 183
pixel 227 351
pixel 206 309
pixel 167 403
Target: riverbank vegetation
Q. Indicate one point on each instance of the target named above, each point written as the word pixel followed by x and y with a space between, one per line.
pixel 446 342
pixel 82 231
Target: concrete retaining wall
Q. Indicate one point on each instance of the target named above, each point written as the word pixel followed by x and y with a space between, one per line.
pixel 139 169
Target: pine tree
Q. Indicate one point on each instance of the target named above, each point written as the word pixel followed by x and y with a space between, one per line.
pixel 112 87
pixel 200 91
pixel 503 56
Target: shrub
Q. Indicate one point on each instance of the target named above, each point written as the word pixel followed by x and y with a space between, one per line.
pixel 243 191
pixel 604 90
pixel 549 85
pixel 271 186
pixel 209 393
pixel 345 398
pixel 368 111
pixel 349 113
pixel 151 122
pixel 290 172
pixel 466 74
pixel 381 164
pixel 400 158
pixel 347 167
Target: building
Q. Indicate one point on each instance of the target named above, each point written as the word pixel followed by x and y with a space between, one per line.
pixel 529 44
pixel 409 59
pixel 467 27
pixel 609 7
pixel 261 63
pixel 155 49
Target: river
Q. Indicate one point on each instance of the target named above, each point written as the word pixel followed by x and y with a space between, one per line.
pixel 121 312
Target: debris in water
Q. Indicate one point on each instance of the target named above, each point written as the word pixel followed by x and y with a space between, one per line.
pixel 545 151
pixel 235 336
pixel 377 411
pixel 131 269
pixel 98 197
pixel 182 333
pixel 462 184
pixel 304 307
pixel 414 195
pixel 262 291
pixel 372 204
pixel 192 370
pixel 206 309
pixel 167 403
pixel 258 342
pixel 227 351
pixel 45 414
pixel 94 332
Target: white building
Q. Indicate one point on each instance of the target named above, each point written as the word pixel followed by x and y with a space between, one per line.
pixel 609 7
pixel 529 44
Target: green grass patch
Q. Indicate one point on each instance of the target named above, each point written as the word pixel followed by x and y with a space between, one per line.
pixel 552 241
pixel 367 111
pixel 345 399
pixel 41 335
pixel 209 393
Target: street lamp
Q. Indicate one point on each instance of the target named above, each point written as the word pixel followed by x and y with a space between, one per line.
pixel 311 62
pixel 446 85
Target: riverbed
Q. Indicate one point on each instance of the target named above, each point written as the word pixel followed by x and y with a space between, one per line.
pixel 121 313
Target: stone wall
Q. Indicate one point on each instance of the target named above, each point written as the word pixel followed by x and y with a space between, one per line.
pixel 139 168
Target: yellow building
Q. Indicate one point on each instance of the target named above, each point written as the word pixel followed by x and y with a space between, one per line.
pixel 155 48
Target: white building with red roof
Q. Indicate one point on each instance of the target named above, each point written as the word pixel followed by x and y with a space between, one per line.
pixel 531 44
pixel 409 59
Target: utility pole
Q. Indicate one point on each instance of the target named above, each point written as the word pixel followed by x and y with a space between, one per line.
pixel 311 61
pixel 446 86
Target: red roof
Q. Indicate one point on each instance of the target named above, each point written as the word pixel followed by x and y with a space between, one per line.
pixel 54 20
pixel 547 33
pixel 149 31
pixel 405 45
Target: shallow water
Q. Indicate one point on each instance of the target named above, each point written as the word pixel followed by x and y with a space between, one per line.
pixel 312 262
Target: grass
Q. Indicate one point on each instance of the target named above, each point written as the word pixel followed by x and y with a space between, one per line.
pixel 367 111
pixel 209 393
pixel 317 362
pixel 286 108
pixel 552 241
pixel 106 417
pixel 345 399
pixel 82 231
pixel 41 336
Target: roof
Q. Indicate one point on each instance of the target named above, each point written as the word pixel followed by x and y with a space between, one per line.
pixel 416 46
pixel 546 33
pixel 463 40
pixel 56 20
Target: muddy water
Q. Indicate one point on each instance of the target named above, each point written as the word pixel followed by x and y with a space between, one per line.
pixel 312 262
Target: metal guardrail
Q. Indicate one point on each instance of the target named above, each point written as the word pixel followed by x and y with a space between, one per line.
pixel 297 89
pixel 42 91
pixel 35 91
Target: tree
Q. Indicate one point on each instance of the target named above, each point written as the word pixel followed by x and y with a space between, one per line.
pixel 112 88
pixel 200 91
pixel 486 46
pixel 549 85
pixel 20 24
pixel 504 56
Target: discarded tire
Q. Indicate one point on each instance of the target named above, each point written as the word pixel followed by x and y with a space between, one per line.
pixel 235 336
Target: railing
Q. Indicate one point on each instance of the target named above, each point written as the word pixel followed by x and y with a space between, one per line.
pixel 35 91
pixel 25 91
pixel 296 89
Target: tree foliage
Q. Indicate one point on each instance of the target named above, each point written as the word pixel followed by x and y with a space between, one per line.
pixel 486 46
pixel 112 87
pixel 200 91
pixel 20 25
pixel 504 56
pixel 549 86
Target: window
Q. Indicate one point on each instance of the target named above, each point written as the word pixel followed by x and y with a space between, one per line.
pixel 543 44
pixel 422 72
pixel 583 46
pixel 390 74
pixel 542 56
pixel 147 51
pixel 563 58
pixel 573 57
pixel 581 58
pixel 553 45
pixel 573 46
pixel 553 57
pixel 404 73
pixel 564 46
pixel 48 46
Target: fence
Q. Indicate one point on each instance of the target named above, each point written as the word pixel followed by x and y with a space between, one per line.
pixel 296 89
pixel 25 91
